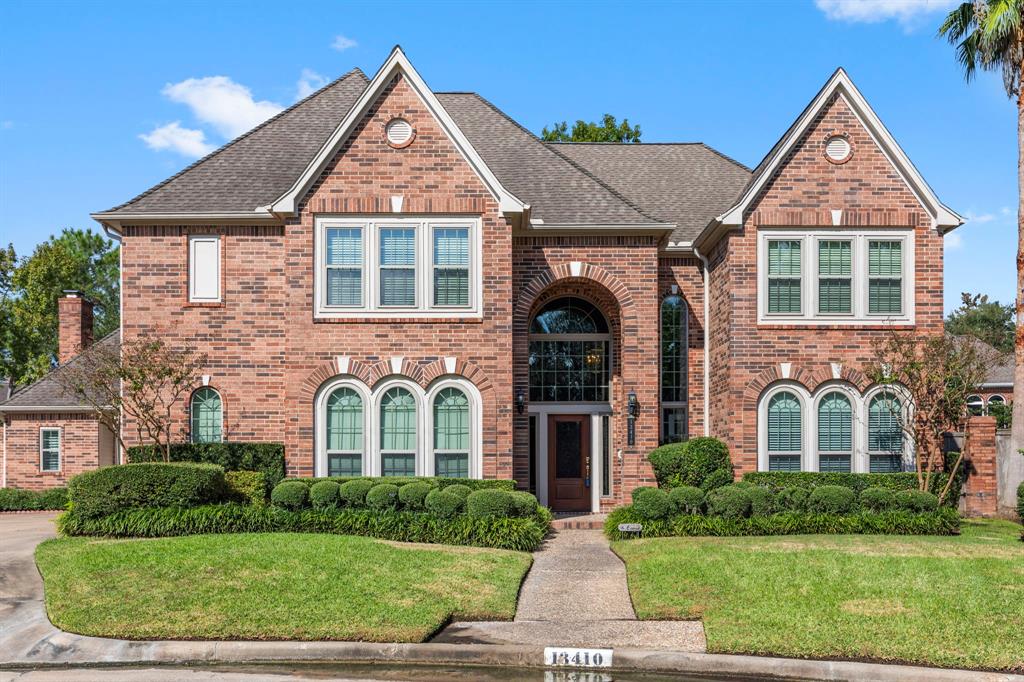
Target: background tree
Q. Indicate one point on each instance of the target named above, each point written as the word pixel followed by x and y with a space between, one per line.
pixel 989 35
pixel 936 374
pixel 608 130
pixel 76 259
pixel 141 380
pixel 989 321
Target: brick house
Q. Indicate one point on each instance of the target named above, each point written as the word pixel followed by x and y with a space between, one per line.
pixel 396 281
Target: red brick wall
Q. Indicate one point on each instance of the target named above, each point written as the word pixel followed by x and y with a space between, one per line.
pixel 981 488
pixel 79 448
pixel 746 356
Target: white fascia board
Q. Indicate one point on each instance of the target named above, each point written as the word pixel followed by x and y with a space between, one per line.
pixel 397 62
pixel 943 218
pixel 996 385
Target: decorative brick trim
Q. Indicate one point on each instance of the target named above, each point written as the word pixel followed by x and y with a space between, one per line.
pixel 824 147
pixel 563 273
pixel 328 370
pixel 383 369
pixel 852 217
pixel 463 368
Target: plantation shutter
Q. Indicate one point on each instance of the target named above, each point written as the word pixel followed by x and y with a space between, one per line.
pixel 398 267
pixel 451 434
pixel 835 433
pixel 345 266
pixel 206 416
pixel 49 449
pixel 835 277
pixel 885 435
pixel 451 266
pixel 344 433
pixel 784 276
pixel 398 433
pixel 885 277
pixel 785 432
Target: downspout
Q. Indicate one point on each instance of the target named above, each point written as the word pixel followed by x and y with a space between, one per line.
pixel 707 344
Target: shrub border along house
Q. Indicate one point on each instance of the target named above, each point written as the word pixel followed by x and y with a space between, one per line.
pixel 265 457
pixel 19 499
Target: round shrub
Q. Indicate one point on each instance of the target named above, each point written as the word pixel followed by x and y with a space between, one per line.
pixel 523 503
pixel 292 495
pixel 414 495
pixel 762 501
pixel 353 493
pixel 667 462
pixel 792 499
pixel 716 479
pixel 877 499
pixel 652 503
pixel 704 456
pixel 687 499
pixel 489 503
pixel 917 501
pixel 637 492
pixel 443 504
pixel 729 502
pixel 832 499
pixel 382 496
pixel 323 495
pixel 460 491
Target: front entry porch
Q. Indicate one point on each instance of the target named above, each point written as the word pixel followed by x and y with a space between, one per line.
pixel 572 457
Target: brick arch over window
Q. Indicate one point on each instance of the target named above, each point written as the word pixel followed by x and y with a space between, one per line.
pixel 572 273
pixel 328 370
pixel 755 388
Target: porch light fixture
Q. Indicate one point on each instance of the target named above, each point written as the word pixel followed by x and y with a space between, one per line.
pixel 520 401
pixel 632 404
pixel 631 410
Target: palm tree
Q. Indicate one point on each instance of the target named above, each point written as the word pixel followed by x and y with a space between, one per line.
pixel 989 34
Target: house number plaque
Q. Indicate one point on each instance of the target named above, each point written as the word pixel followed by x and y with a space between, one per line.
pixel 566 657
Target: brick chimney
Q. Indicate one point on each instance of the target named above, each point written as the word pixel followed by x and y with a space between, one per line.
pixel 74 311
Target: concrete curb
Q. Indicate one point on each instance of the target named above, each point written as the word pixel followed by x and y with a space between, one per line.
pixel 120 652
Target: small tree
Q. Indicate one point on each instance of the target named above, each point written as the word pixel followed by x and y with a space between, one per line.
pixel 936 373
pixel 142 380
pixel 608 130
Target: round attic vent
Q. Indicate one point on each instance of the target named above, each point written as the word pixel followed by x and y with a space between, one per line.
pixel 399 132
pixel 837 148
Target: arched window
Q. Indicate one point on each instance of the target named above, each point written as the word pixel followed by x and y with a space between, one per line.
pixel 995 400
pixel 785 432
pixel 885 434
pixel 398 433
pixel 452 433
pixel 569 343
pixel 673 369
pixel 835 433
pixel 975 405
pixel 206 416
pixel 344 435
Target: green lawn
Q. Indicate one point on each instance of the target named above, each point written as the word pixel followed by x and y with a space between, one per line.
pixel 273 586
pixel 947 601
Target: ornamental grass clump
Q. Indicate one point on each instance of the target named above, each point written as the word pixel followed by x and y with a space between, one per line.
pixel 687 499
pixel 353 493
pixel 325 495
pixel 383 496
pixel 291 495
pixel 729 502
pixel 831 499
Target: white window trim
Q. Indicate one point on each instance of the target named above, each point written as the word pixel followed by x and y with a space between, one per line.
pixel 191 413
pixel 475 436
pixel 60 448
pixel 809 238
pixel 194 239
pixel 855 430
pixel 906 405
pixel 992 398
pixel 320 420
pixel 804 398
pixel 376 463
pixel 424 307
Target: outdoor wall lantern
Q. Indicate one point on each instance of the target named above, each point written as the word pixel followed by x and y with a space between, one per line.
pixel 520 401
pixel 632 409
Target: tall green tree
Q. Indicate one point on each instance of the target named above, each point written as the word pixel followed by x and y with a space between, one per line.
pixel 990 321
pixel 989 35
pixel 75 259
pixel 608 130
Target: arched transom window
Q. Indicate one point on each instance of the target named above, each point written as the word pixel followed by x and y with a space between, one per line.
pixel 344 437
pixel 206 416
pixel 569 353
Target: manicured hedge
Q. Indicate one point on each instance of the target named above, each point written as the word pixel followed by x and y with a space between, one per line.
pixel 856 482
pixel 471 483
pixel 265 457
pixel 702 462
pixel 115 488
pixel 246 487
pixel 18 499
pixel 523 534
pixel 944 521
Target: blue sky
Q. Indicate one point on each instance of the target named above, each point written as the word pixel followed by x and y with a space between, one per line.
pixel 99 101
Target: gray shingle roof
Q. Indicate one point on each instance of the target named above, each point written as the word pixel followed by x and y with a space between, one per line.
pixel 683 183
pixel 47 392
pixel 258 167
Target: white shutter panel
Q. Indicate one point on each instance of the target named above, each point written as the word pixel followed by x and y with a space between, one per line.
pixel 204 269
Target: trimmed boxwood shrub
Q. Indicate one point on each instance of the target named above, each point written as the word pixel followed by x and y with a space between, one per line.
pixel 916 500
pixel 686 499
pixel 489 503
pixel 324 495
pixel 762 501
pixel 717 479
pixel 667 462
pixel 443 504
pixel 382 496
pixel 265 457
pixel 832 499
pixel 729 502
pixel 246 487
pixel 522 534
pixel 524 503
pixel 690 462
pixel 639 490
pixel 114 488
pixel 471 483
pixel 458 490
pixel 19 499
pixel 652 503
pixel 858 482
pixel 413 495
pixel 877 499
pixel 792 499
pixel 353 492
pixel 290 495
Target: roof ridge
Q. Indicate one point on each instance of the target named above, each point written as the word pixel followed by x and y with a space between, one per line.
pixel 337 81
pixel 628 145
pixel 562 156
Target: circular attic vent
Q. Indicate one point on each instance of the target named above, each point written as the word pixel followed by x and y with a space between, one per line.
pixel 837 148
pixel 399 132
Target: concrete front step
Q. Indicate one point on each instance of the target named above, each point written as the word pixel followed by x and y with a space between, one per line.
pixel 578 521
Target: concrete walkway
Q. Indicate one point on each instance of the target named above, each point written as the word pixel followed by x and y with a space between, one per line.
pixel 576 595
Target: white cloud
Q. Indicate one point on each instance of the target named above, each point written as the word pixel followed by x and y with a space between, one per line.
pixel 7 125
pixel 906 12
pixel 309 82
pixel 222 103
pixel 341 43
pixel 952 241
pixel 184 141
pixel 971 217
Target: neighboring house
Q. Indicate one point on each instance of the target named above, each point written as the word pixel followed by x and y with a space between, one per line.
pixel 395 281
pixel 998 386
pixel 49 435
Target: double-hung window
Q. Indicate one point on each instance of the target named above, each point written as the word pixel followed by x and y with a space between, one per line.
pixel 835 276
pixel 451 434
pixel 885 277
pixel 785 432
pixel 397 267
pixel 344 433
pixel 49 449
pixel 784 280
